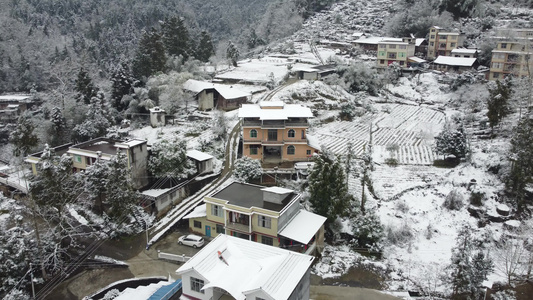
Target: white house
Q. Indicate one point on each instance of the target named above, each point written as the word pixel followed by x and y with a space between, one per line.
pixel 234 268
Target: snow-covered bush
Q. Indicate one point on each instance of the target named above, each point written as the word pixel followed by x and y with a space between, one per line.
pixel 112 294
pixel 454 200
pixel 399 235
pixel 367 231
pixel 247 169
pixel 504 295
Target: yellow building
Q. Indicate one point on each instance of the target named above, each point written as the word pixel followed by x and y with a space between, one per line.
pixel 512 55
pixel 442 42
pixel 274 132
pixel 268 215
pixel 393 50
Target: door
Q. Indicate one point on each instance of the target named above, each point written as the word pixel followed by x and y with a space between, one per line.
pixel 208 230
pixel 272 134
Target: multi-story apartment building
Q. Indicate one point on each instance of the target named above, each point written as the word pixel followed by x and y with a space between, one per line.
pixel 393 50
pixel 274 131
pixel 85 154
pixel 268 215
pixel 442 42
pixel 512 55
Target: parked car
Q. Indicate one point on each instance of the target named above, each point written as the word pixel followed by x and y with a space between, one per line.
pixel 191 240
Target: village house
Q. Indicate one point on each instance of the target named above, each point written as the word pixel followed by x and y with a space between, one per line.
pixel 442 42
pixel 421 47
pixel 233 268
pixel 313 72
pixel 12 106
pixel 85 154
pixel 213 95
pixel 455 64
pixel 274 131
pixel 393 50
pixel 267 215
pixel 512 55
pixel 465 52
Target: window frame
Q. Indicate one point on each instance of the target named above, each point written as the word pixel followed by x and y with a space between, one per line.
pixel 254 150
pixel 264 222
pixel 266 240
pixel 197 285
pixel 217 211
pixel 291 150
pixel 253 133
pixel 291 133
pixel 220 229
pixel 195 224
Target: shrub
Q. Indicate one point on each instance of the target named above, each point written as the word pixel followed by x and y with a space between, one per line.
pixel 454 201
pixel 476 198
pixel 391 162
pixel 247 169
pixel 399 235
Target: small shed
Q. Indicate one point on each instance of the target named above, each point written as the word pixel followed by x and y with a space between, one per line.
pixel 203 161
pixel 157 117
pixel 213 95
pixel 456 64
pixel 313 72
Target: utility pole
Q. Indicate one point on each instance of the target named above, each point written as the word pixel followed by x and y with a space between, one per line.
pixel 32 285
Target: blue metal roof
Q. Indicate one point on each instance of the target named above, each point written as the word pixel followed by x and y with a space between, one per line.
pixel 167 291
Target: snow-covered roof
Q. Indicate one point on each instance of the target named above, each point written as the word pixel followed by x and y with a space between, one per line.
pixel 198 155
pixel 198 212
pixel 155 192
pixel 130 143
pixel 245 266
pixel 449 33
pixel 416 59
pixel 89 153
pixel 277 190
pixel 288 111
pixel 455 61
pixel 157 109
pixel 391 40
pixel 142 292
pixel 370 40
pixel 303 226
pixel 358 34
pixel 419 41
pixel 227 91
pixel 464 50
pixel 313 142
pixel 14 97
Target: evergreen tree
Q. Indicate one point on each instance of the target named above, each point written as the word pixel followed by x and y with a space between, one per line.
pixel 97 179
pixel 121 84
pixel 498 102
pixel 169 159
pixel 96 123
pixel 451 141
pixel 59 127
pixel 247 169
pixel 85 88
pixel 176 37
pixel 367 229
pixel 232 54
pixel 150 57
pixel 469 266
pixel 521 158
pixel 254 40
pixel 23 137
pixel 121 197
pixel 328 191
pixel 205 48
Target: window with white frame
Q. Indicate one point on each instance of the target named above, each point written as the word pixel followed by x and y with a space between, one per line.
pixel 253 133
pixel 216 210
pixel 291 133
pixel 265 222
pixel 197 285
pixel 392 46
pixel 402 47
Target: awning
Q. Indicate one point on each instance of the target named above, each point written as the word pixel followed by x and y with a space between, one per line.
pixel 303 226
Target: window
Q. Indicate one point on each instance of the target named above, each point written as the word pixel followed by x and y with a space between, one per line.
pixel 264 221
pixel 308 152
pixel 382 46
pixel 267 240
pixel 216 210
pixel 382 61
pixel 401 63
pixel 495 75
pixel 392 55
pixel 454 37
pixel 497 65
pixel 503 46
pixel 77 158
pixel 220 229
pixel 401 54
pixel 432 36
pixel 442 37
pixel 382 53
pixel 291 150
pixel 253 149
pixel 197 285
pixel 253 133
pixel 197 224
pixel 402 47
pixel 291 133
pixel 432 44
pixel 259 298
pixel 392 46
pixel 432 30
pixel 442 45
pixel 452 45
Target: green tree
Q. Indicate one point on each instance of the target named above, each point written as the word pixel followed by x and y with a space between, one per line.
pixel 121 197
pixel 176 37
pixel 469 266
pixel 232 54
pixel 451 141
pixel 498 102
pixel 23 137
pixel 205 48
pixel 150 56
pixel 85 89
pixel 169 159
pixel 328 191
pixel 521 159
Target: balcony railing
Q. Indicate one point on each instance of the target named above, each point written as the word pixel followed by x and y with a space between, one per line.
pixel 238 226
pixel 274 124
pixel 275 142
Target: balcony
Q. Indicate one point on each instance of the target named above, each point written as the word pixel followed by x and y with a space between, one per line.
pixel 251 123
pixel 275 124
pixel 238 226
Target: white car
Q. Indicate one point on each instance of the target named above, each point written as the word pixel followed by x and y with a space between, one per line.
pixel 191 240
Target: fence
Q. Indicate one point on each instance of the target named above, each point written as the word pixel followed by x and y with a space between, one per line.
pixel 172 257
